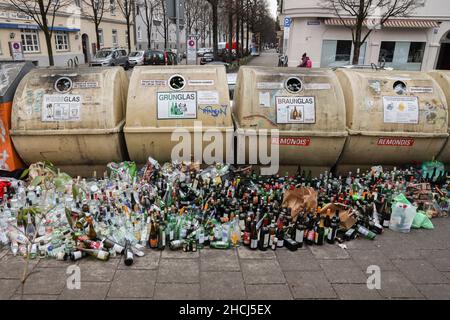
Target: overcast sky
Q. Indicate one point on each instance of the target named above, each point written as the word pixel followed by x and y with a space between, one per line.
pixel 273 7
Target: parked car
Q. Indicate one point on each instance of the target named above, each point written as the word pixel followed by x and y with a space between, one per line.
pixel 207 57
pixel 201 52
pixel 136 58
pixel 159 58
pixel 111 57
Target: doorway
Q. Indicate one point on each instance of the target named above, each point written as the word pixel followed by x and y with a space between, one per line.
pixel 443 62
pixel 85 44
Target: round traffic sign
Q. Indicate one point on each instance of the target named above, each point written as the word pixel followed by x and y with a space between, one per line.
pixel 191 43
pixel 16 45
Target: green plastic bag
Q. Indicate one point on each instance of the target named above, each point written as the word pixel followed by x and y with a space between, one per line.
pixel 422 221
pixel 401 198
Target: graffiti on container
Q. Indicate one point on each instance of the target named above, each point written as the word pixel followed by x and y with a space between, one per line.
pixel 433 113
pixel 214 111
pixel 375 85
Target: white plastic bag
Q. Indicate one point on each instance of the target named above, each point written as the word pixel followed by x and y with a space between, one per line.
pixel 402 217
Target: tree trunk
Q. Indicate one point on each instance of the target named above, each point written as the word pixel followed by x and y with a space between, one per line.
pixel 48 41
pixel 357 43
pixel 214 22
pixel 230 33
pixel 248 29
pixel 242 28
pixel 129 34
pixel 237 29
pixel 97 35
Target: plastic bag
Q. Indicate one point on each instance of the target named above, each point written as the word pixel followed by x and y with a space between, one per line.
pixel 422 221
pixel 402 216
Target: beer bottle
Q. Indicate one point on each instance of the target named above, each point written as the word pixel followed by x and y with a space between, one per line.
pixel 365 232
pixel 161 237
pixel 280 236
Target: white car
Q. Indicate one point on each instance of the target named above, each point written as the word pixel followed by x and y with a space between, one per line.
pixel 136 58
pixel 201 52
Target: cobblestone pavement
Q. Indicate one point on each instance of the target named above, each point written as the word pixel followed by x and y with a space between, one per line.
pixel 413 266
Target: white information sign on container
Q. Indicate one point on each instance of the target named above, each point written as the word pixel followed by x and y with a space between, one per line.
pixel 61 107
pixel 208 97
pixel 176 105
pixel 401 110
pixel 295 110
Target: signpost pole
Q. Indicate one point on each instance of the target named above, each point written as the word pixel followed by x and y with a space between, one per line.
pixel 177 11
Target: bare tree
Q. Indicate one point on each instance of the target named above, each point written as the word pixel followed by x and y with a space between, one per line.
pixel 214 7
pixel 355 14
pixel 162 12
pixel 95 13
pixel 148 14
pixel 127 8
pixel 43 12
pixel 193 10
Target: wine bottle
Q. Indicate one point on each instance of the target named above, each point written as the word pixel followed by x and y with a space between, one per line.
pixel 97 253
pixel 128 254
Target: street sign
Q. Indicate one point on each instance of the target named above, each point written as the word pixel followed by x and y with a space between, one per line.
pixel 16 50
pixel 191 55
pixel 287 22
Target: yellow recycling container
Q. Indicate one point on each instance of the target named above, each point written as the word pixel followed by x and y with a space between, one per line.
pixel 307 108
pixel 174 111
pixel 71 117
pixel 393 118
pixel 443 79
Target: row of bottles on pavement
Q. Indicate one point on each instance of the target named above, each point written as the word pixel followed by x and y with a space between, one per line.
pixel 184 208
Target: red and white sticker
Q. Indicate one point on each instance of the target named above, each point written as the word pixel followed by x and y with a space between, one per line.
pixel 292 141
pixel 396 142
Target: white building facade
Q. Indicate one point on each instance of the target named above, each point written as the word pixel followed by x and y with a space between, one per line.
pixel 156 32
pixel 420 41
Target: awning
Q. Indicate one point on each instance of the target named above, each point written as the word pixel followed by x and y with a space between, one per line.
pixel 392 23
pixel 34 27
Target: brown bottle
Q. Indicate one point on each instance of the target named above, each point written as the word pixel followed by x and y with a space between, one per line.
pixel 153 239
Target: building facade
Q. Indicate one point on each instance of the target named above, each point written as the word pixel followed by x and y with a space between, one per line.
pixel 420 41
pixel 73 33
pixel 156 31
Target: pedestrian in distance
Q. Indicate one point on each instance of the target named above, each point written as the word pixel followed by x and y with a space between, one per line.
pixel 305 62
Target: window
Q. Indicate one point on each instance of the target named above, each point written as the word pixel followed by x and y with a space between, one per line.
pixel 387 50
pixel 1 52
pixel 139 33
pixel 337 53
pixel 61 41
pixel 126 36
pixel 416 50
pixel 402 55
pixel 114 38
pixel 343 50
pixel 78 3
pixel 30 41
pixel 100 37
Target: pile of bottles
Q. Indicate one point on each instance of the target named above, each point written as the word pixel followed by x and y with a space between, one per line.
pixel 179 206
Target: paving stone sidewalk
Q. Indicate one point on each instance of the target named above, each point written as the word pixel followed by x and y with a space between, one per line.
pixel 413 266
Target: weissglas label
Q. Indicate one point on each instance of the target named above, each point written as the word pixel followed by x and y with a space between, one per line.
pixel 401 110
pixel 61 107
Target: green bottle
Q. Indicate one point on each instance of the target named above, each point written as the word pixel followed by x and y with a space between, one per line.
pixel 220 245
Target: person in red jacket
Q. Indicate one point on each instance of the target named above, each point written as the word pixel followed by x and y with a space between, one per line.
pixel 305 62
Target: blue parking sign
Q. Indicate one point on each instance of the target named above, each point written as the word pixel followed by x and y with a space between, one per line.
pixel 287 22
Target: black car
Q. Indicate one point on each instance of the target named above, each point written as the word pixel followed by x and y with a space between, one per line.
pixel 207 58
